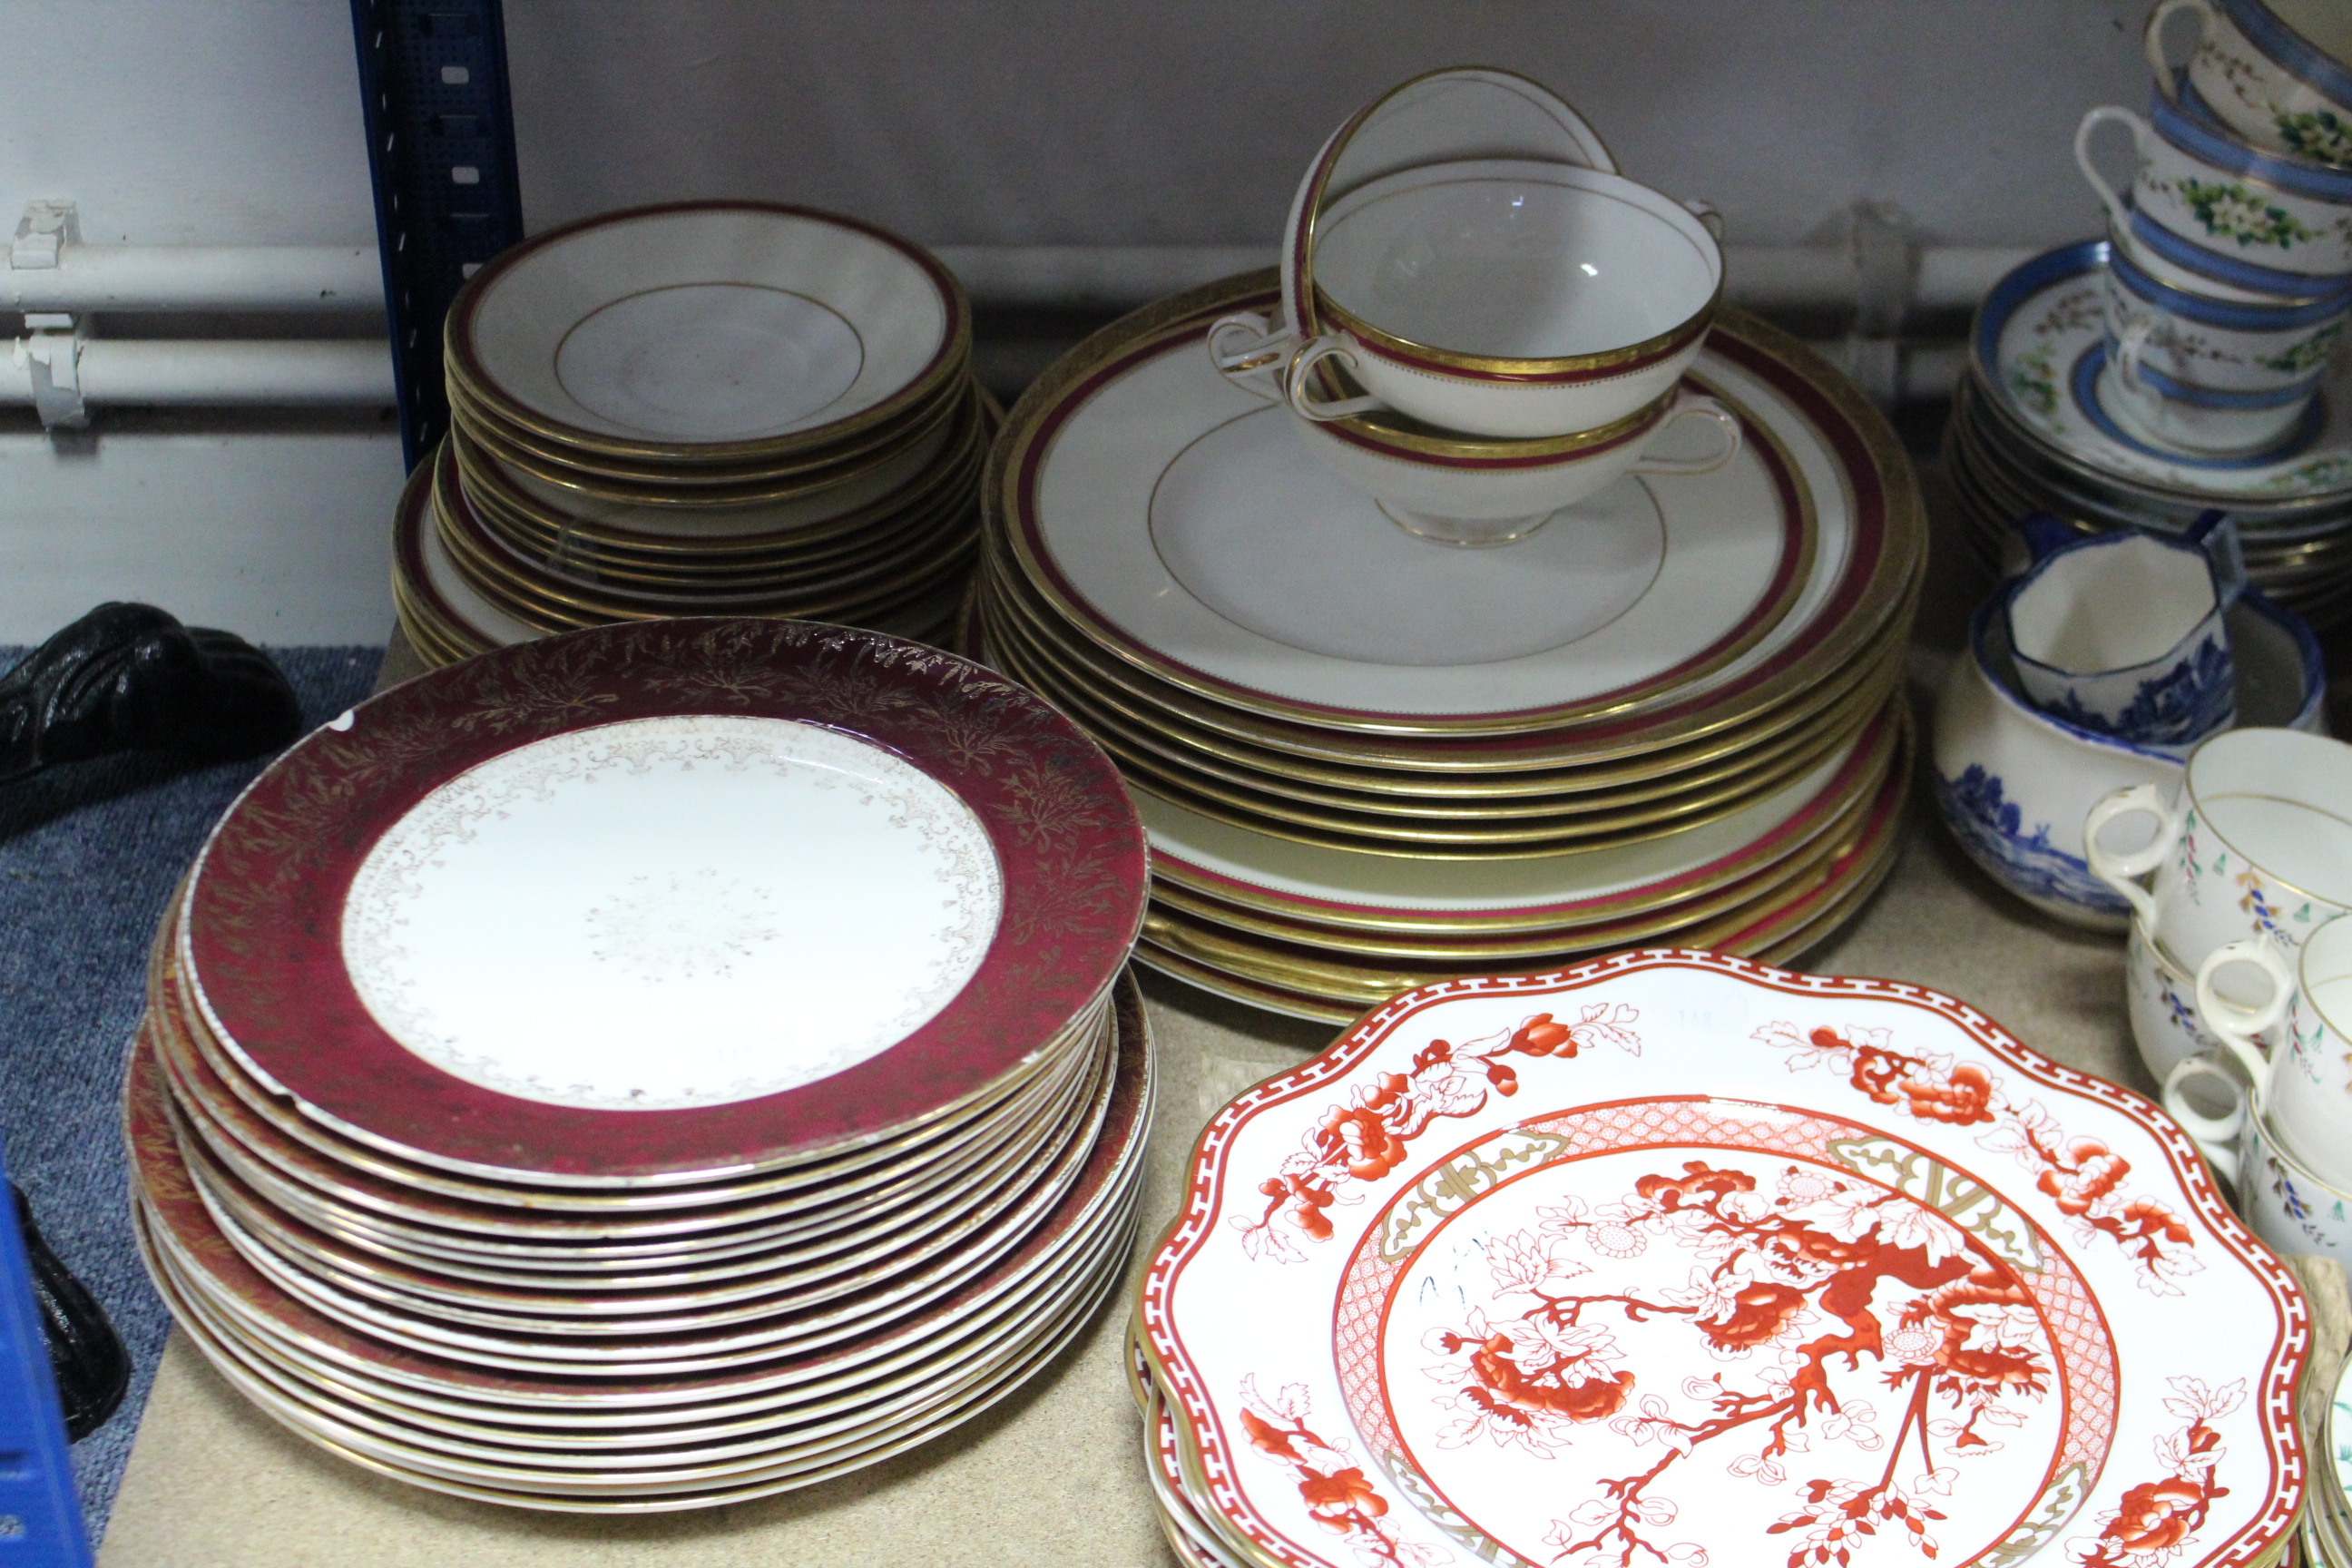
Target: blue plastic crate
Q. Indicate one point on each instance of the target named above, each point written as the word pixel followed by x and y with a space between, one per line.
pixel 40 1516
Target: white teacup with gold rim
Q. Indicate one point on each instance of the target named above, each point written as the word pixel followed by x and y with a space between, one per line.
pixel 2255 840
pixel 1507 296
pixel 2303 1084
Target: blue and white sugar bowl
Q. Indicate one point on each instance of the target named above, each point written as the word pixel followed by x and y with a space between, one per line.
pixel 2123 634
pixel 2014 784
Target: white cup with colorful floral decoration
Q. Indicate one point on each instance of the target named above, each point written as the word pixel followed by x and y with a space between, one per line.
pixel 2244 214
pixel 2263 78
pixel 2255 839
pixel 2160 1001
pixel 2303 1083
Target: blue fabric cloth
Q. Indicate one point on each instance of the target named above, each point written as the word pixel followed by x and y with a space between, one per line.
pixel 89 854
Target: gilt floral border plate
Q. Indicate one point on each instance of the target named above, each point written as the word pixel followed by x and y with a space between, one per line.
pixel 1672 1258
pixel 209 1265
pixel 327 931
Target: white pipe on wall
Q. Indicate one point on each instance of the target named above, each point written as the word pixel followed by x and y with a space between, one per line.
pixel 99 277
pixel 1125 276
pixel 206 373
pixel 88 278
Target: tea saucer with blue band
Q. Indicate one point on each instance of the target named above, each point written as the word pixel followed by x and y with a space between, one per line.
pixel 2039 348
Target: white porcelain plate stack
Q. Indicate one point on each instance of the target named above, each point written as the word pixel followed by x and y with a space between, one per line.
pixel 650 1068
pixel 699 408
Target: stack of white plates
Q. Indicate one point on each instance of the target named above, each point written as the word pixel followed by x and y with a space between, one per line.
pixel 2327 1514
pixel 1676 1259
pixel 1368 761
pixel 703 408
pixel 650 1068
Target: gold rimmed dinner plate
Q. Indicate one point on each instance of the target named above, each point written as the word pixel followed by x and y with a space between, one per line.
pixel 1832 842
pixel 849 320
pixel 1099 567
pixel 1030 654
pixel 650 483
pixel 1425 838
pixel 1646 742
pixel 946 521
pixel 902 1429
pixel 257 1193
pixel 1372 979
pixel 1806 929
pixel 807 548
pixel 1379 895
pixel 670 1456
pixel 1146 742
pixel 363 1194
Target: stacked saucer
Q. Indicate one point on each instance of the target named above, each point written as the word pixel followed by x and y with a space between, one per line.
pixel 1678 1260
pixel 2037 426
pixel 650 1068
pixel 2326 1535
pixel 1368 759
pixel 703 408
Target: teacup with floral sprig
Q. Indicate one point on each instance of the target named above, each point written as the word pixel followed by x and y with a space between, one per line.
pixel 2214 374
pixel 2244 215
pixel 2263 78
pixel 2255 840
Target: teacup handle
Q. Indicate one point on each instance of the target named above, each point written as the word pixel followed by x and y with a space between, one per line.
pixel 2131 345
pixel 2217 1137
pixel 1249 350
pixel 1707 215
pixel 1302 379
pixel 2140 132
pixel 1691 402
pixel 2123 872
pixel 2151 36
pixel 2235 1026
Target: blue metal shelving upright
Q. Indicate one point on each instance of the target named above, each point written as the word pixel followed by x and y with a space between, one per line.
pixel 41 1515
pixel 440 130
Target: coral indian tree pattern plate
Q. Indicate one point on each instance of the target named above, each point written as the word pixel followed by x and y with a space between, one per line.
pixel 1673 1259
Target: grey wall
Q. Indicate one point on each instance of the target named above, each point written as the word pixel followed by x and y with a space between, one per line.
pixel 1187 121
pixel 959 122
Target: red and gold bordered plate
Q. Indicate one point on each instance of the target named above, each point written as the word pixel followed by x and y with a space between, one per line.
pixel 1056 1249
pixel 1673 1258
pixel 664 904
pixel 1090 484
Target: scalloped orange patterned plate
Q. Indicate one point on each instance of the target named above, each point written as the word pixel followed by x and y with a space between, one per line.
pixel 1672 1258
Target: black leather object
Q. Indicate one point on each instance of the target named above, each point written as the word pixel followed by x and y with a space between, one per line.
pixel 130 677
pixel 86 1355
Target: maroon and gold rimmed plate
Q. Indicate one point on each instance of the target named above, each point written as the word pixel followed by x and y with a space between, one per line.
pixel 688 1342
pixel 1310 885
pixel 1779 928
pixel 1123 490
pixel 797 1201
pixel 1554 1266
pixel 194 1247
pixel 936 870
pixel 1336 970
pixel 1184 729
pixel 892 1236
pixel 1835 836
pixel 560 1468
pixel 586 1305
